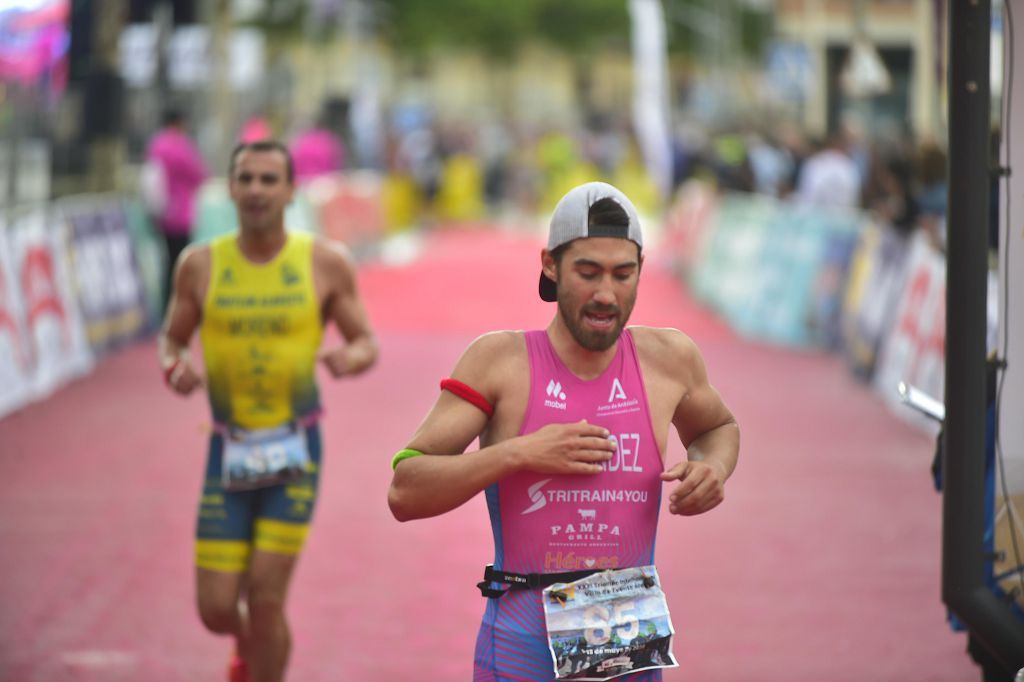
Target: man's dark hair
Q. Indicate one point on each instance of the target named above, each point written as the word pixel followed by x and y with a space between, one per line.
pixel 603 213
pixel 263 146
pixel 558 251
pixel 608 212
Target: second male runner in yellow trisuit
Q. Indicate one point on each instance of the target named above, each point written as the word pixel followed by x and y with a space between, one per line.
pixel 260 299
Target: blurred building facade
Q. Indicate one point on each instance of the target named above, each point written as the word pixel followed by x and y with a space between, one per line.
pixel 906 38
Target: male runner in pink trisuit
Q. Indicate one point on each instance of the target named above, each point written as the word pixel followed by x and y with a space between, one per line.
pixel 573 424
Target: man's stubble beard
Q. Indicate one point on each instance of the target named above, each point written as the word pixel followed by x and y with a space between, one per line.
pixel 595 341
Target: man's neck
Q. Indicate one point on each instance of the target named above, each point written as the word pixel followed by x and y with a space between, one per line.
pixel 260 246
pixel 584 363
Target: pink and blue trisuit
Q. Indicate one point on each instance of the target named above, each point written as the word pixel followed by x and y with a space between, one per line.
pixel 545 523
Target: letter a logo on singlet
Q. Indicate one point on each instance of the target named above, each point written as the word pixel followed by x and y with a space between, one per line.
pixel 536 496
pixel 617 392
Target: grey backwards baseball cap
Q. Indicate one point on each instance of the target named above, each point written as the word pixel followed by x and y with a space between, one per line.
pixel 571 221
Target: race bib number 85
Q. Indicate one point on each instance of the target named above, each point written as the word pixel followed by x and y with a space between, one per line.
pixel 609 624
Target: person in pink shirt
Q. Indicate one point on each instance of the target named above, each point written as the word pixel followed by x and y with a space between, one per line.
pixel 573 422
pixel 317 151
pixel 182 172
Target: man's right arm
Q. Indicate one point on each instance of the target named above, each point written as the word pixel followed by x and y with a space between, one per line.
pixel 184 314
pixel 437 482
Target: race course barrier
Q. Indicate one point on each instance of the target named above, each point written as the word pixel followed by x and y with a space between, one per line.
pixel 831 281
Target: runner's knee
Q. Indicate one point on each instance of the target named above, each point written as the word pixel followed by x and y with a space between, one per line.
pixel 219 616
pixel 264 603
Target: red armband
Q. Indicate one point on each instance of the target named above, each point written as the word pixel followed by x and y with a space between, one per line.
pixel 470 395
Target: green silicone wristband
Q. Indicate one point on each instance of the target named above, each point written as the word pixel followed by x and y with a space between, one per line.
pixel 403 454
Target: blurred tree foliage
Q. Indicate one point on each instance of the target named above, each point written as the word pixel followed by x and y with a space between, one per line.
pixel 578 27
pixel 500 29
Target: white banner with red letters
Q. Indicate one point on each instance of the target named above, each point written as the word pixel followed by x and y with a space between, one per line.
pixel 914 349
pixel 55 349
pixel 15 353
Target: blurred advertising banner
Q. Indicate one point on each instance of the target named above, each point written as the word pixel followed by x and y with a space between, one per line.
pixel 872 292
pixel 15 352
pixel 56 349
pixel 775 272
pixel 914 347
pixel 802 268
pixel 105 271
pixel 687 227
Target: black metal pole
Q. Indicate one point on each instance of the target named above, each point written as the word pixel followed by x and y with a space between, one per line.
pixel 964 590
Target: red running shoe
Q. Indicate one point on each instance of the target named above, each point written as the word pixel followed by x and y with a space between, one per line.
pixel 238 671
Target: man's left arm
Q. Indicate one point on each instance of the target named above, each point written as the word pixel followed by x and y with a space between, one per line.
pixel 344 307
pixel 711 436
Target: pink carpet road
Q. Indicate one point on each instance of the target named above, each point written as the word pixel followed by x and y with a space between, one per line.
pixel 822 564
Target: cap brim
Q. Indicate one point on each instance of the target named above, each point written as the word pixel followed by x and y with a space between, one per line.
pixel 547 289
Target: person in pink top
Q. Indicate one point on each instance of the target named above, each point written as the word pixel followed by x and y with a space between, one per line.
pixel 182 174
pixel 573 423
pixel 317 151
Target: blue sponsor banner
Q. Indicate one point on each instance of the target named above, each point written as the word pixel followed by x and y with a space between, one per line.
pixel 726 277
pixel 105 271
pixel 776 272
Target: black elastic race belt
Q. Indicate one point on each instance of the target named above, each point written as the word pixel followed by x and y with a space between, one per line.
pixel 527 581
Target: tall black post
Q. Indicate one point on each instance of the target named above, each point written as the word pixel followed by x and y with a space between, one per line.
pixel 987 617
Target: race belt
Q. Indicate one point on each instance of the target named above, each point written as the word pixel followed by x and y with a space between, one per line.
pixel 260 458
pixel 523 581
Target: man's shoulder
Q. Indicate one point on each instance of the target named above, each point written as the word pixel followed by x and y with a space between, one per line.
pixel 495 346
pixel 492 353
pixel 493 362
pixel 326 251
pixel 331 259
pixel 662 343
pixel 193 269
pixel 197 254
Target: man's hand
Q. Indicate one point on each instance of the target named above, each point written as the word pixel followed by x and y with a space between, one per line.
pixel 355 357
pixel 701 487
pixel 183 378
pixel 578 448
pixel 335 360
